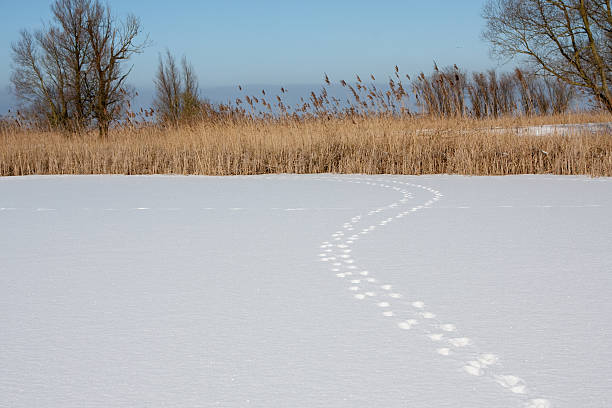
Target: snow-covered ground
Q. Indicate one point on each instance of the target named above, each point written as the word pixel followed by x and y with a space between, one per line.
pixel 306 291
pixel 576 129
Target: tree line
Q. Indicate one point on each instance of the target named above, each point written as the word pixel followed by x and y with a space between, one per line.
pixel 72 74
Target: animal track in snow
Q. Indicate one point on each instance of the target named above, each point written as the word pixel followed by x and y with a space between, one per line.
pixel 448 327
pixel 488 359
pixel 407 324
pixel 512 382
pixel 457 347
pixel 473 368
pixel 538 403
pixel 460 342
pixel 418 304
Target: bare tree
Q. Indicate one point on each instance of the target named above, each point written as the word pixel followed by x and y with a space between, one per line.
pixel 177 91
pixel 71 72
pixel 112 44
pixel 38 77
pixel 192 104
pixel 568 39
pixel 168 90
pixel 75 47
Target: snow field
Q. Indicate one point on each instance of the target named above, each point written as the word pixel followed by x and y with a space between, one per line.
pixel 305 291
pixel 411 314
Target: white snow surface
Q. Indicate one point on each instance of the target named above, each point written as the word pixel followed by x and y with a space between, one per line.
pixel 306 291
pixel 573 129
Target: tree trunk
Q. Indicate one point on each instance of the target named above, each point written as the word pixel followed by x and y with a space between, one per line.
pixel 103 129
pixel 604 98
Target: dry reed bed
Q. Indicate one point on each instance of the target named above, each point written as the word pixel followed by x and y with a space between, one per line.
pixel 372 145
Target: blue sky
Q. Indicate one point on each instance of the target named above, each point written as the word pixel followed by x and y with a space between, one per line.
pixel 285 42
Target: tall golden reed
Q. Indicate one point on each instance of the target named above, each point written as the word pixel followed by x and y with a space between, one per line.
pixel 364 144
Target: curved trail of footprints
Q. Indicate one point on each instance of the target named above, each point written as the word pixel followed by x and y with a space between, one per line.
pixel 405 313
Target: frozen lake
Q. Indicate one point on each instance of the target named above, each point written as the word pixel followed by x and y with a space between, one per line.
pixel 576 129
pixel 306 291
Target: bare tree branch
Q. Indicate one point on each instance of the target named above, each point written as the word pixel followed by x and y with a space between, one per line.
pixel 72 71
pixel 568 39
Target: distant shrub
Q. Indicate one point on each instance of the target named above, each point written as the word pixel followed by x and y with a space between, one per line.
pixel 177 97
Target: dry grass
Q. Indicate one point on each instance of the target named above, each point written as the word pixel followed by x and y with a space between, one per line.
pixel 372 145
